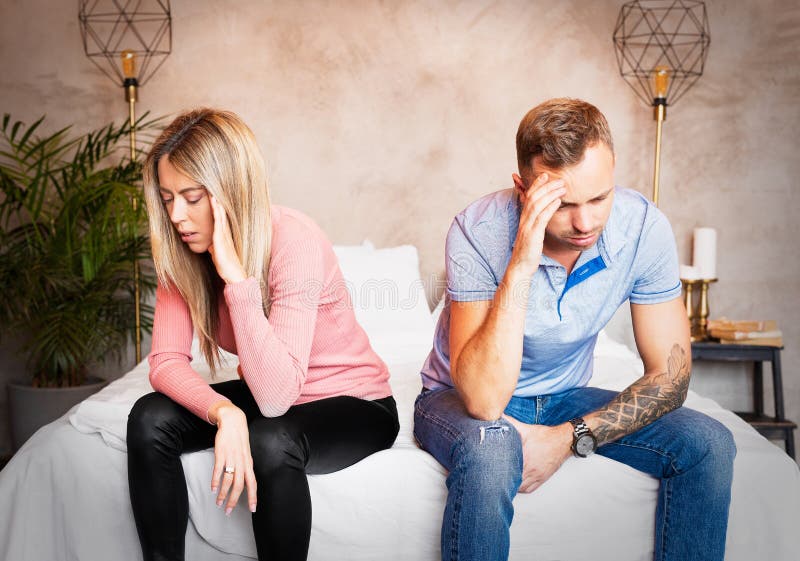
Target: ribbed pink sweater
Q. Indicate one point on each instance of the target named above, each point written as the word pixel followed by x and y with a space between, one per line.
pixel 310 348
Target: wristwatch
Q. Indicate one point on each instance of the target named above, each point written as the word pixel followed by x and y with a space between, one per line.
pixel 583 441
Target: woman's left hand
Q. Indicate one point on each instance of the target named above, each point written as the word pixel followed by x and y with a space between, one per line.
pixel 233 462
pixel 227 262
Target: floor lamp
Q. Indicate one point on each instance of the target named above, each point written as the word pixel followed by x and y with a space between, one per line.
pixel 661 48
pixel 128 41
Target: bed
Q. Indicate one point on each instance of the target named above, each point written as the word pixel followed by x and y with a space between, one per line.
pixel 65 493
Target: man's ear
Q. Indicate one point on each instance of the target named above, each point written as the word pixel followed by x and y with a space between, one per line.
pixel 519 184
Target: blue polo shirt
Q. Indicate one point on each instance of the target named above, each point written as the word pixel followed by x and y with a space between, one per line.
pixel 634 258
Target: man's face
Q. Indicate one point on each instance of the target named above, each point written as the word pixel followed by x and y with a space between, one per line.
pixel 585 206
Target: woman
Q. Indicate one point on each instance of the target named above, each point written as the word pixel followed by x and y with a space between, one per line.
pixel 263 282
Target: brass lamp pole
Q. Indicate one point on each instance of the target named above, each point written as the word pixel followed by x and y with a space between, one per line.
pixel 130 84
pixel 661 80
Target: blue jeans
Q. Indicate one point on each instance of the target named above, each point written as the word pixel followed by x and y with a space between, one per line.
pixel 691 453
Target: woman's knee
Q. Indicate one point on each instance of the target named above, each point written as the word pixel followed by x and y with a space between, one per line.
pixel 149 419
pixel 273 445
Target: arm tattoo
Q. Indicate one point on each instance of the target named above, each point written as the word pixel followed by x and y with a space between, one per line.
pixel 645 400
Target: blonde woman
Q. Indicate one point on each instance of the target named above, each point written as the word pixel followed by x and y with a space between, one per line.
pixel 261 281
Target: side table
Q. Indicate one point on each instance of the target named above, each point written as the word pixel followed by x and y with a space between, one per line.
pixel 777 426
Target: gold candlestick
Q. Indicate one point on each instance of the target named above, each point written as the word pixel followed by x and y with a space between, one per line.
pixel 698 315
pixel 688 299
pixel 702 319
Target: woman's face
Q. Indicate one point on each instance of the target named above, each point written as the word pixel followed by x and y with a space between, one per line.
pixel 188 206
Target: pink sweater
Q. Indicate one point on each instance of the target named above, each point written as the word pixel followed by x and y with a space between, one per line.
pixel 310 348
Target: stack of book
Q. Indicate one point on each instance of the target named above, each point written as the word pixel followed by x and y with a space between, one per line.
pixel 746 332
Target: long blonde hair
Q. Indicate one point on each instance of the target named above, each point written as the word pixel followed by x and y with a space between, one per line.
pixel 218 151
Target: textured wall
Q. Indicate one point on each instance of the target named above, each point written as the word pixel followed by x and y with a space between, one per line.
pixel 383 119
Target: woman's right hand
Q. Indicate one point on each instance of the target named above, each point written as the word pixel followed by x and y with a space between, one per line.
pixel 232 450
pixel 223 253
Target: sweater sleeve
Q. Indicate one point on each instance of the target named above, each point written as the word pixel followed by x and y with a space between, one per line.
pixel 170 356
pixel 274 353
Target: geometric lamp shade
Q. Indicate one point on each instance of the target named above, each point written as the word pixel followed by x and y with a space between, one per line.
pixel 110 27
pixel 670 37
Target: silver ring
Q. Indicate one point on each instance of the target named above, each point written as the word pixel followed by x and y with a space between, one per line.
pixel 229 469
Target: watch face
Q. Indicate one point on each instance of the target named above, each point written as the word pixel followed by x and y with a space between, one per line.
pixel 585 445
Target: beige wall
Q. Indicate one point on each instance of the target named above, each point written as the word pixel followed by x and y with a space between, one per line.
pixel 383 119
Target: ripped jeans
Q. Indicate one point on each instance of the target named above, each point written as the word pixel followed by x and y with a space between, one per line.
pixel 690 452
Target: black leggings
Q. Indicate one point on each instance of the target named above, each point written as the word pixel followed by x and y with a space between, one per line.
pixel 318 437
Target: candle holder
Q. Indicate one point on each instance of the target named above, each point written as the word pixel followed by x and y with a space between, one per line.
pixel 697 314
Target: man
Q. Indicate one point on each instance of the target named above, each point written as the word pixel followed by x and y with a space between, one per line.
pixel 533 274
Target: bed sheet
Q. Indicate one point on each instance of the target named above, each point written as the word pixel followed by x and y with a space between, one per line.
pixel 71 489
pixel 389 506
pixel 65 497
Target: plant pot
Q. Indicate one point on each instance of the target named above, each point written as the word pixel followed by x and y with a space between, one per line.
pixel 31 408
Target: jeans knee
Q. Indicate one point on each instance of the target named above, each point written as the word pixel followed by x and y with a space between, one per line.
pixel 721 445
pixel 493 454
pixel 709 445
pixel 274 447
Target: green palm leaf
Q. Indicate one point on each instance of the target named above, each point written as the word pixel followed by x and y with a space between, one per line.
pixel 69 235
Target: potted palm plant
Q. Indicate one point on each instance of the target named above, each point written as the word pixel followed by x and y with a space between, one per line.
pixel 72 224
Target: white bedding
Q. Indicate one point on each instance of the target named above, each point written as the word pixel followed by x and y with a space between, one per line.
pixel 65 493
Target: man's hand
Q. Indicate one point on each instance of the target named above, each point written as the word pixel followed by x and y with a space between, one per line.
pixel 544 449
pixel 228 264
pixel 539 202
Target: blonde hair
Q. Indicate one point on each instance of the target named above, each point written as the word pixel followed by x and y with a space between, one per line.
pixel 218 151
pixel 560 130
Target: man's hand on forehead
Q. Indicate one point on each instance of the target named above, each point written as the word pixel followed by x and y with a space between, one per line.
pixel 541 184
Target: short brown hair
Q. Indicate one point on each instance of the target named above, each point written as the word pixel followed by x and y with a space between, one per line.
pixel 560 130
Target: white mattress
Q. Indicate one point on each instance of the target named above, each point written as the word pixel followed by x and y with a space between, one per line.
pixel 389 506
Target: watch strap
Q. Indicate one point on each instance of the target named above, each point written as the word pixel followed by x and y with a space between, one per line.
pixel 580 429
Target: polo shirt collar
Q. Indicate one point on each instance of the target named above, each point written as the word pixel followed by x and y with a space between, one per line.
pixel 612 238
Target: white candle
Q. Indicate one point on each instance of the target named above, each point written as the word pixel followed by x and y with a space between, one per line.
pixel 705 252
pixel 689 272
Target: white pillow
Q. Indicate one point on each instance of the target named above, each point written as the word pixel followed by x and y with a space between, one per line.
pixel 386 288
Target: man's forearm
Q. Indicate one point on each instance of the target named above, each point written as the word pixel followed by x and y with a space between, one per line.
pixel 488 366
pixel 644 401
